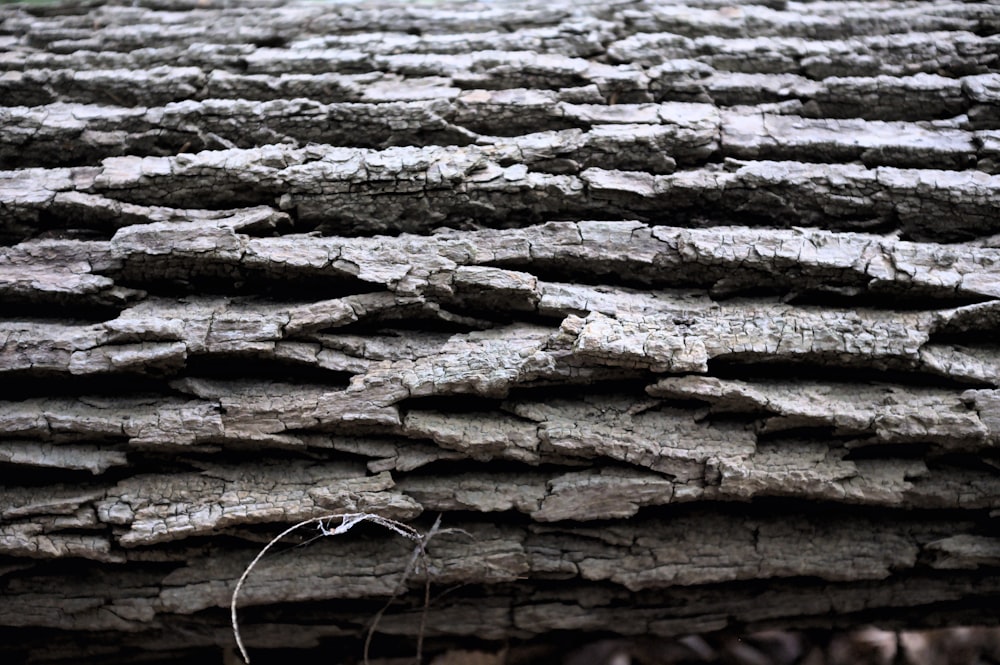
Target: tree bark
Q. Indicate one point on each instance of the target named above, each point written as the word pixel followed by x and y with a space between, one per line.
pixel 682 319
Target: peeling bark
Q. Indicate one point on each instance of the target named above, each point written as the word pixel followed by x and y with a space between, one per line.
pixel 683 318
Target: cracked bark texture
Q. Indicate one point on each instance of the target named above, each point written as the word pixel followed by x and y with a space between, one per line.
pixel 683 316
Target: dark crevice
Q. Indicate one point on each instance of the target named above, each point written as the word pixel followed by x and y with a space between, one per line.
pixel 46 575
pixel 317 452
pixel 985 335
pixel 70 309
pixel 249 366
pixel 42 154
pixel 605 273
pixel 725 282
pixel 775 508
pixel 456 469
pixel 17 386
pixel 66 226
pixel 246 456
pixel 152 463
pixel 176 192
pixel 476 215
pixel 730 420
pixel 904 299
pixel 46 10
pixel 877 451
pixel 519 125
pixel 497 310
pixel 270 41
pixel 694 407
pixel 825 434
pixel 706 214
pixel 176 277
pixel 20 475
pixel 139 463
pixel 454 404
pixel 941 234
pixel 601 375
pixel 965 461
pixel 633 384
pixel 750 368
pixel 542 80
pixel 390 326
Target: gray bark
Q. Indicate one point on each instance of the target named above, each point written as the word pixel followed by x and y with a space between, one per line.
pixel 682 318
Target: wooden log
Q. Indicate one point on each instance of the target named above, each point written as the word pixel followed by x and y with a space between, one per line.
pixel 661 318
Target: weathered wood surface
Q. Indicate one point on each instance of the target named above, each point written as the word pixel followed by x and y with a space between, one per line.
pixel 686 315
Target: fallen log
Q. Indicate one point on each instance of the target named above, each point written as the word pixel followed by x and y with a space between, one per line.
pixel 661 319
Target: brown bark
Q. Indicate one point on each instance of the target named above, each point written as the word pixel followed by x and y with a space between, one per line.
pixel 683 319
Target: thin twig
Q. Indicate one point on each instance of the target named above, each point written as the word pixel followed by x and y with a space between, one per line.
pixel 419 554
pixel 347 521
pixel 427 587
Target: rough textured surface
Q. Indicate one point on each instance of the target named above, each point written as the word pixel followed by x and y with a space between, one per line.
pixel 682 317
